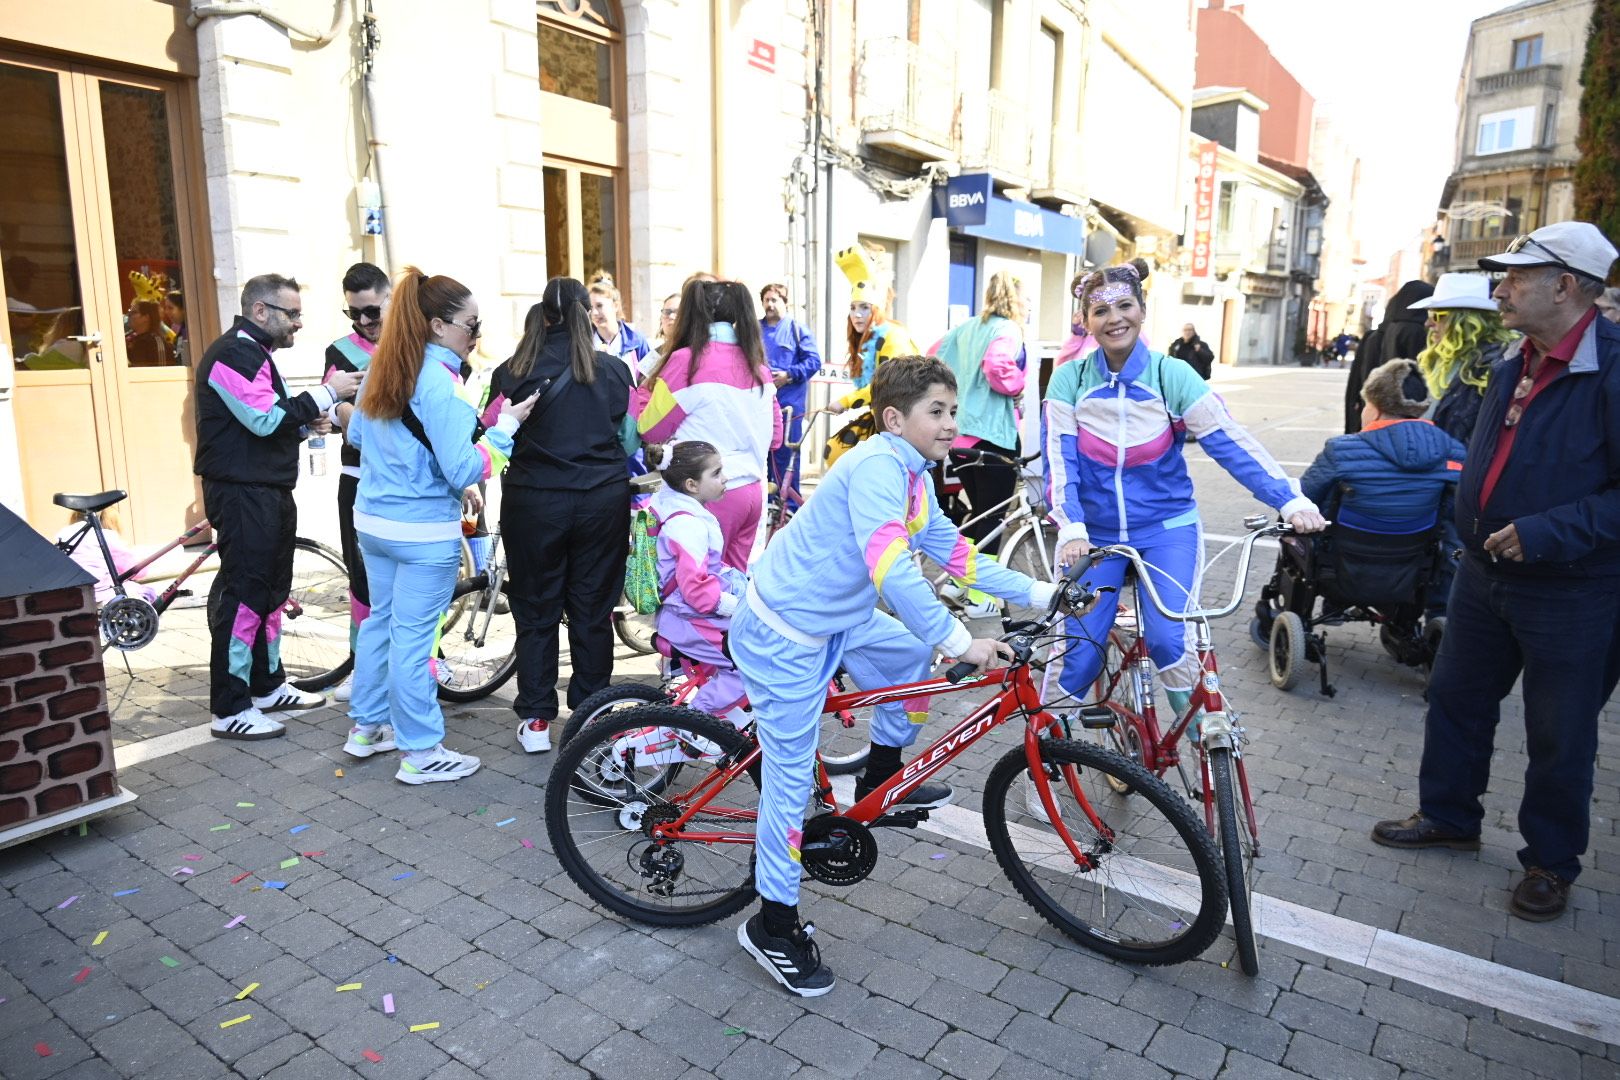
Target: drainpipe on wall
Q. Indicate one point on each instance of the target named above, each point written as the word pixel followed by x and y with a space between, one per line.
pixel 717 35
pixel 207 10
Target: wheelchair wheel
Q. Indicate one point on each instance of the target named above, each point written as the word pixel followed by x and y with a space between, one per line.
pixel 1433 631
pixel 1259 633
pixel 1287 650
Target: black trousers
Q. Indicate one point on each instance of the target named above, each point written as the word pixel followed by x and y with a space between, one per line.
pixel 565 551
pixel 987 484
pixel 353 562
pixel 254 525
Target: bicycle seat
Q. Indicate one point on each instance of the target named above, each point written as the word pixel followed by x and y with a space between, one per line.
pixel 89 503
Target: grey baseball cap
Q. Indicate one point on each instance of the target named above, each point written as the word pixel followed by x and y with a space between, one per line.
pixel 1576 245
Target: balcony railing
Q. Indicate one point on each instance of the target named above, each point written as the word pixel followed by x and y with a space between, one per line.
pixel 996 135
pixel 1471 251
pixel 1064 175
pixel 1540 75
pixel 907 99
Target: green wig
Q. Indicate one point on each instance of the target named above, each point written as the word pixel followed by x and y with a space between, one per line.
pixel 1456 352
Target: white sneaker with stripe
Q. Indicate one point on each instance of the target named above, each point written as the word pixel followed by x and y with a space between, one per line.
pixel 363 742
pixel 288 699
pixel 248 724
pixel 434 765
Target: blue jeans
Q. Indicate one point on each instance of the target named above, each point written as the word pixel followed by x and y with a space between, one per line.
pixel 1561 634
pixel 411 585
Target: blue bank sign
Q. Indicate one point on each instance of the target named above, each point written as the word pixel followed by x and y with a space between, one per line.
pixel 970 204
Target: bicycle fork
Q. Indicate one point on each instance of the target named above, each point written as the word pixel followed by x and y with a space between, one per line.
pixel 485 612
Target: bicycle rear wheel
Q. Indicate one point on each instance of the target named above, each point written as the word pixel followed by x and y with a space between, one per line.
pixel 630 695
pixel 634 628
pixel 315 619
pixel 1154 893
pixel 845 748
pixel 1237 856
pixel 1030 553
pixel 478 642
pixel 632 768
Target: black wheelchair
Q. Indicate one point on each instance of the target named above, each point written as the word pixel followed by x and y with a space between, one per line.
pixel 1361 571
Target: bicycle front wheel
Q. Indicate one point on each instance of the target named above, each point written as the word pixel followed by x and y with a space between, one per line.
pixel 1237 856
pixel 637 767
pixel 315 619
pixel 630 695
pixel 477 643
pixel 1151 892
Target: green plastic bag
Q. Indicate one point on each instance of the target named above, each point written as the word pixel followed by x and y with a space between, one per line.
pixel 641 585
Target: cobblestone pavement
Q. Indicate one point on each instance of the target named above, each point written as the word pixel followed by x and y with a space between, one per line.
pixel 427 901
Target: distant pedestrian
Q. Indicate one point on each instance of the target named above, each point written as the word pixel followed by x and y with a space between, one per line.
pixel 249 429
pixel 1400 336
pixel 794 359
pixel 1538 591
pixel 1193 349
pixel 565 503
pixel 422 446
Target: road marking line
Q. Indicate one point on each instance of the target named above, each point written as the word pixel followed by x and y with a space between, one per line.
pixel 1546 1001
pixel 161 746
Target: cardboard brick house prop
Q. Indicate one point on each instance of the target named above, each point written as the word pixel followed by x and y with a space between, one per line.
pixel 56 752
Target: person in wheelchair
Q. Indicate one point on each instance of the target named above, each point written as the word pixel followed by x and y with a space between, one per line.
pixel 1387 489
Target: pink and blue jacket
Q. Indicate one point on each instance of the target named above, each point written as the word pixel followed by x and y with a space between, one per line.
pixel 699 591
pixel 1114 442
pixel 719 403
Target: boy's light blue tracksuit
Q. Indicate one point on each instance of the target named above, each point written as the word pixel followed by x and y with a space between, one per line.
pixel 791 634
pixel 1117 476
pixel 408 517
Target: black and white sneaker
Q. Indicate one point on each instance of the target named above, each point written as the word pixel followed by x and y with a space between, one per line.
pixel 794 961
pixel 288 699
pixel 249 724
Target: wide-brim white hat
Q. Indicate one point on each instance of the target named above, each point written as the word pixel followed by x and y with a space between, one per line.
pixel 1470 291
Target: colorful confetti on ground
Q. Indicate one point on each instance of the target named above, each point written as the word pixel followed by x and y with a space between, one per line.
pixel 84 973
pixel 168 961
pixel 192 858
pixel 288 864
pixel 425 1027
pixel 239 1020
pixel 349 986
pixel 218 828
pixel 296 829
pixel 275 884
pixel 388 1002
pixel 402 877
pixel 246 990
pixel 100 938
pixel 240 877
pixel 234 923
pixel 504 824
pixel 241 805
pixel 371 1056
pixel 126 892
pixel 66 903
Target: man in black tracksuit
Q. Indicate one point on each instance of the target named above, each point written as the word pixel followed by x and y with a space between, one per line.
pixel 366 292
pixel 248 434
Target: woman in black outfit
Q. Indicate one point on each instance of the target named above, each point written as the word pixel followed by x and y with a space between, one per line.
pixel 565 503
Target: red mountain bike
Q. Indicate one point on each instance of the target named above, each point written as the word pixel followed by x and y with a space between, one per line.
pixel 1127 721
pixel 662 831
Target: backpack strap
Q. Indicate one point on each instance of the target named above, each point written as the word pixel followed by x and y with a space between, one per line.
pixel 413 424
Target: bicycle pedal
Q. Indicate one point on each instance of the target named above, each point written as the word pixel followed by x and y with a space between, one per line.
pixel 1097 718
pixel 905 819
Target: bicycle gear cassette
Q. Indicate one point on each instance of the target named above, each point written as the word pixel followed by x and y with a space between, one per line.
pixel 837 850
pixel 129 623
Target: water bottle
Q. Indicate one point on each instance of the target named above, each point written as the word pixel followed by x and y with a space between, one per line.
pixel 317 455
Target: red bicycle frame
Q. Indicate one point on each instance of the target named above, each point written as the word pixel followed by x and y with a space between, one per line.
pixel 1017 696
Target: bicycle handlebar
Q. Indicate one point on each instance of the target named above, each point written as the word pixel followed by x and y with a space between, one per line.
pixel 1070 593
pixel 1125 551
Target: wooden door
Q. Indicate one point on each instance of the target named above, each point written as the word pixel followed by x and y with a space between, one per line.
pixel 96 230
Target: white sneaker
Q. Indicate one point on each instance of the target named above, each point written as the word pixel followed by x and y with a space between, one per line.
pixel 532 741
pixel 665 746
pixel 287 698
pixel 247 724
pixel 1033 805
pixel 444 674
pixel 343 690
pixel 985 609
pixel 437 764
pixel 363 742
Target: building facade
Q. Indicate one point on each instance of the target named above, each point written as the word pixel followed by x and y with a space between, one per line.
pixel 184 146
pixel 1518 103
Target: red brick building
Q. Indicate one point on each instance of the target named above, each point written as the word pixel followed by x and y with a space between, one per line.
pixel 1231 53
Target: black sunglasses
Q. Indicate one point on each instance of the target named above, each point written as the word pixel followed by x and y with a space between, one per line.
pixel 370 313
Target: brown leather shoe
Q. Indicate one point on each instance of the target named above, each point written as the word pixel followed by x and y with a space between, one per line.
pixel 1418 831
pixel 1541 897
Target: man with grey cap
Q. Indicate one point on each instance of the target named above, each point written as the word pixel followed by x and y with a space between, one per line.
pixel 1538 592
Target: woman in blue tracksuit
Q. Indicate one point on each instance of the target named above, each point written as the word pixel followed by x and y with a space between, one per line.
pixel 1116 421
pixel 422 446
